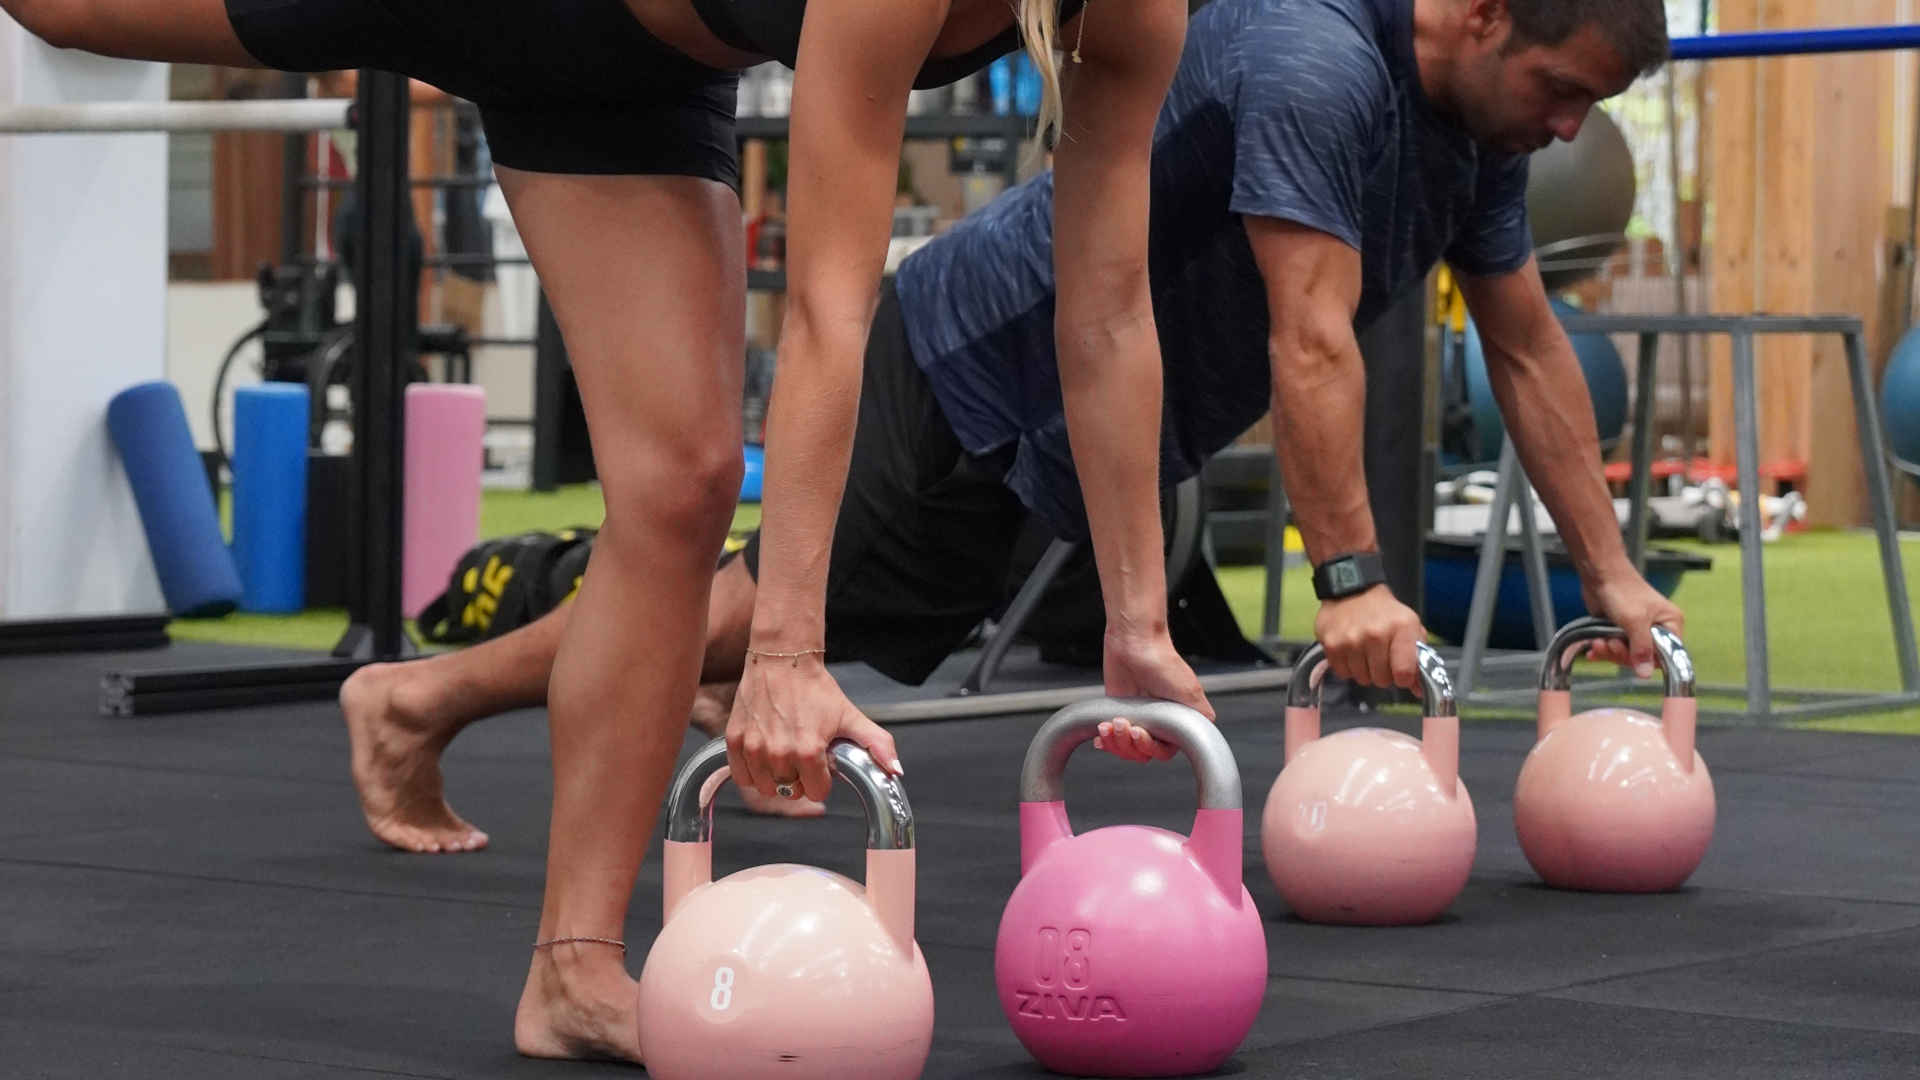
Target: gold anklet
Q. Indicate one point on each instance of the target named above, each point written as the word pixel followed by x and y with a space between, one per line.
pixel 588 940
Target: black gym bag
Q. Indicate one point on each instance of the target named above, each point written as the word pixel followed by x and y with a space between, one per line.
pixel 502 585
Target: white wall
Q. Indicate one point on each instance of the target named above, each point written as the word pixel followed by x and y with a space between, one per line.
pixel 204 319
pixel 82 316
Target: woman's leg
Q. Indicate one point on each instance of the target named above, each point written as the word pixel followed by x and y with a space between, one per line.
pixel 646 278
pixel 174 31
pixel 401 717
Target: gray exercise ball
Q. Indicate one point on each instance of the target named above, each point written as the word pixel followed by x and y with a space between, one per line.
pixel 1580 198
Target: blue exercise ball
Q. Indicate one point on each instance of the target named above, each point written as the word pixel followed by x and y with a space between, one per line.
pixel 756 468
pixel 1900 399
pixel 1606 383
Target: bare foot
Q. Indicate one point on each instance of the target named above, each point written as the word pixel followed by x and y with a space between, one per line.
pixel 396 762
pixel 582 1005
pixel 712 705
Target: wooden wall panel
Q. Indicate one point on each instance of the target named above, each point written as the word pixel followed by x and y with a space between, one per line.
pixel 1732 97
pixel 1800 153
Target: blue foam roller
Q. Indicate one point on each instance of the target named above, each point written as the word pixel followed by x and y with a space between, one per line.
pixel 270 495
pixel 148 426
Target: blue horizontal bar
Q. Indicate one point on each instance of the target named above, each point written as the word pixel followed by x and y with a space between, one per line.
pixel 1792 42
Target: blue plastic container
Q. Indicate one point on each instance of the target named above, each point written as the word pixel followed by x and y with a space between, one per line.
pixel 1452 563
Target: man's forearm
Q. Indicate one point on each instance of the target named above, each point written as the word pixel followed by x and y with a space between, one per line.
pixel 1319 413
pixel 1111 384
pixel 1549 414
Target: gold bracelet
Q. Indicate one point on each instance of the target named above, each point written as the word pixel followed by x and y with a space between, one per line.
pixel 793 656
pixel 621 945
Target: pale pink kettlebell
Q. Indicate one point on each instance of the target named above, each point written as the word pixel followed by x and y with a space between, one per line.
pixel 1367 826
pixel 1130 950
pixel 786 970
pixel 1614 800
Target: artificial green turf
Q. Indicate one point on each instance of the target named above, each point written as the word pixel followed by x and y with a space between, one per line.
pixel 1827 611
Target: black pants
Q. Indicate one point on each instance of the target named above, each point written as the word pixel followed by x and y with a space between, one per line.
pixel 563 86
pixel 926 534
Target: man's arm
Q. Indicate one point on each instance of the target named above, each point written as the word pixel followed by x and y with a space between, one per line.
pixel 1319 411
pixel 1548 411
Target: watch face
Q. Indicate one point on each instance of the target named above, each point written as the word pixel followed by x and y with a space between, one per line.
pixel 1345 576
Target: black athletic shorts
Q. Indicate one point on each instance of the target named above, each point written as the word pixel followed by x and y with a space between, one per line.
pixel 563 86
pixel 926 533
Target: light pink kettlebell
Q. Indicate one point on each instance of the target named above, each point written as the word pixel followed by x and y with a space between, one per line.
pixel 786 970
pixel 1614 800
pixel 1130 950
pixel 1367 826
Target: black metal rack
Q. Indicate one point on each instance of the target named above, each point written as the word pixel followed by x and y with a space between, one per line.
pixel 112 633
pixel 385 329
pixel 932 127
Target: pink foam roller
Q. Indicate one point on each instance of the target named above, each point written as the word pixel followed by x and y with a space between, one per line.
pixel 441 518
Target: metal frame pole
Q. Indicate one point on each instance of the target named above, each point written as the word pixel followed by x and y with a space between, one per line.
pixel 1873 454
pixel 1753 577
pixel 1646 386
pixel 385 332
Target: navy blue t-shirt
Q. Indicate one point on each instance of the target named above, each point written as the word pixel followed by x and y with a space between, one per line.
pixel 1309 111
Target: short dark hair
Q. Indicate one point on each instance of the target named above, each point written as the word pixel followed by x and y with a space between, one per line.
pixel 1637 29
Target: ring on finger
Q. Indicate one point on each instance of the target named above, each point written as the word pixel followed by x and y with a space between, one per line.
pixel 785 789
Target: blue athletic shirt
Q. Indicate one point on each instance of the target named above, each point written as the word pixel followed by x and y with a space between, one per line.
pixel 1309 111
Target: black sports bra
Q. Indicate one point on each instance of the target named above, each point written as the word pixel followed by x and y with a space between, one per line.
pixel 772 28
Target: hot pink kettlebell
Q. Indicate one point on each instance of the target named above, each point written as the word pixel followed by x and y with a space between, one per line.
pixel 1367 826
pixel 1130 950
pixel 1614 800
pixel 786 970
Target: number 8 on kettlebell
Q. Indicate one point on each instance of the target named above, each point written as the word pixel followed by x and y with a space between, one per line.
pixel 784 963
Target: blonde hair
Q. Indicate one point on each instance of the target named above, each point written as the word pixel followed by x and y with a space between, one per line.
pixel 1039 28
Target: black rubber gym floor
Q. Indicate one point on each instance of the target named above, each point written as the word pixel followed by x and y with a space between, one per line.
pixel 195 896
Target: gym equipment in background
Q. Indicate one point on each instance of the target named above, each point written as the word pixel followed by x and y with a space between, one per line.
pixel 1900 403
pixel 1392 849
pixel 1614 800
pixel 445 452
pixel 1452 562
pixel 785 970
pixel 1760 693
pixel 1580 198
pixel 270 495
pixel 1130 950
pixel 756 469
pixel 1475 429
pixel 148 425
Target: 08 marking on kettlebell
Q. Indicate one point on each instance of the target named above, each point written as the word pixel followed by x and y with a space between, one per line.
pixel 722 997
pixel 1065 959
pixel 1072 960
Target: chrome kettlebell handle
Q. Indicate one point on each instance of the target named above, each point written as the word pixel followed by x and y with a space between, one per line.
pixel 1556 671
pixel 889 815
pixel 1043 778
pixel 1436 686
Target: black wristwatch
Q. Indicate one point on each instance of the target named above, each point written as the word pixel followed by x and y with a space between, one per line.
pixel 1348 575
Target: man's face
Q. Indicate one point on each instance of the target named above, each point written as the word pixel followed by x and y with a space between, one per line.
pixel 1519 99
